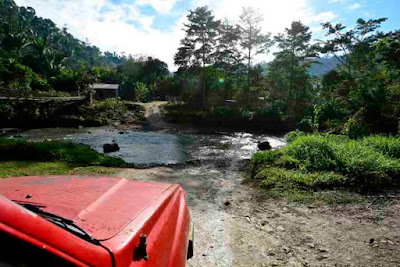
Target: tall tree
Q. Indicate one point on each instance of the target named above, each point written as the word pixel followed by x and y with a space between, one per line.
pixel 199 44
pixel 289 68
pixel 351 47
pixel 251 38
pixel 227 53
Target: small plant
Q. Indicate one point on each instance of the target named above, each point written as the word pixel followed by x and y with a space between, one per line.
pixel 291 136
pixel 142 93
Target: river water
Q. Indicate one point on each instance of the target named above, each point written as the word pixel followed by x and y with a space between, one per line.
pixel 156 148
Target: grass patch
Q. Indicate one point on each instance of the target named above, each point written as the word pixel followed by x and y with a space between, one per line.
pixel 312 165
pixel 22 158
pixel 22 150
pixel 26 168
pixel 32 168
pixel 389 146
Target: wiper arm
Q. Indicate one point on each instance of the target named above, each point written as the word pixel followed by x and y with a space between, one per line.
pixel 68 225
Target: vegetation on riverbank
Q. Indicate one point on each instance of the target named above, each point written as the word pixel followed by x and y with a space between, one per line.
pixel 38 59
pixel 52 151
pixel 32 114
pixel 359 95
pixel 32 168
pixel 314 165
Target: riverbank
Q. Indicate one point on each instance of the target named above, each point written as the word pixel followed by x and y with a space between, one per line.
pixel 69 112
pixel 329 168
pixel 227 119
pixel 236 223
pixel 19 157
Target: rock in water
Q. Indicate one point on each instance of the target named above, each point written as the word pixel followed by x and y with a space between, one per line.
pixel 108 148
pixel 264 146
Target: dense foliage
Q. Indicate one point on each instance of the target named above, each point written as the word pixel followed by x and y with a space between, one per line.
pixel 326 162
pixel 36 55
pixel 347 83
pixel 357 94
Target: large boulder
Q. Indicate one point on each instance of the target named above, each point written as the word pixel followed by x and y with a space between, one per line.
pixel 264 146
pixel 108 148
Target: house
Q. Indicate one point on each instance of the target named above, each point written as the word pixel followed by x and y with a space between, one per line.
pixel 103 91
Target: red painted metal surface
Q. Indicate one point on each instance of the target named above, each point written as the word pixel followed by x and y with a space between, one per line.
pixel 115 211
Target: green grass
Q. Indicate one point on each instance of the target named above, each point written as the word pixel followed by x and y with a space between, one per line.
pixel 389 146
pixel 32 168
pixel 22 158
pixel 311 165
pixel 22 150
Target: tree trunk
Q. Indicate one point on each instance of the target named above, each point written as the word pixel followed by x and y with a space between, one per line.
pixel 203 83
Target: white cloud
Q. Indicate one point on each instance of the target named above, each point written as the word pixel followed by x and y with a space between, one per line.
pixel 161 6
pixel 278 15
pixel 337 1
pixel 109 30
pixel 354 6
pixel 106 25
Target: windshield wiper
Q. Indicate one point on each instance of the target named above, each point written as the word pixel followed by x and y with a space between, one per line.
pixel 68 225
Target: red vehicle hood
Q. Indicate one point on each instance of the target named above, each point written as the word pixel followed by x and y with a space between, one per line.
pixel 100 205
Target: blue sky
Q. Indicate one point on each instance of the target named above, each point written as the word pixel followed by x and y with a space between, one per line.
pixel 154 27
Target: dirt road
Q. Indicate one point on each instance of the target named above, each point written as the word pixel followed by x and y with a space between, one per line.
pixel 237 225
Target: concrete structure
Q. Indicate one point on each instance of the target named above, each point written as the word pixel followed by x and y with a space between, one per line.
pixel 103 91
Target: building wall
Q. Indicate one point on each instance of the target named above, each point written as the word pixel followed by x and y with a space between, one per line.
pixel 103 94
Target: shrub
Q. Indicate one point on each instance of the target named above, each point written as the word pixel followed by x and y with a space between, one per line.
pixel 142 93
pixel 263 158
pixel 291 136
pixel 368 169
pixel 314 152
pixel 104 112
pixel 275 108
pixel 368 164
pixel 387 145
pixel 355 127
pixel 246 113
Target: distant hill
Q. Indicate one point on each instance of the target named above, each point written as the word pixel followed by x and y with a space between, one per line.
pixel 318 70
pixel 327 64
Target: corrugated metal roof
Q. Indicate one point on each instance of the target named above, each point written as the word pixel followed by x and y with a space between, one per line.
pixel 105 86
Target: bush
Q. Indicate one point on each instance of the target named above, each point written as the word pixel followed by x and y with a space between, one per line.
pixel 263 158
pixel 142 93
pixel 314 152
pixel 387 145
pixel 104 112
pixel 368 169
pixel 275 108
pixel 246 113
pixel 355 127
pixel 291 136
pixel 368 164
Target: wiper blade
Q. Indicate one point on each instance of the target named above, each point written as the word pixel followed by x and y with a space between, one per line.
pixel 67 224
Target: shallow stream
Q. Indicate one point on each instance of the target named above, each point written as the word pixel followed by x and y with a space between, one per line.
pixel 155 148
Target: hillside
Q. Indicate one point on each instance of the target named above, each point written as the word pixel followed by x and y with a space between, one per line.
pixel 326 64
